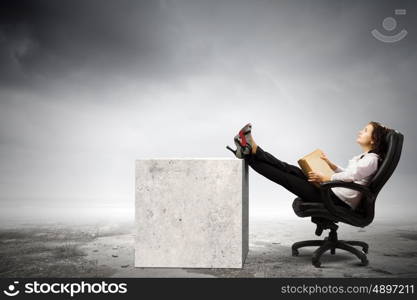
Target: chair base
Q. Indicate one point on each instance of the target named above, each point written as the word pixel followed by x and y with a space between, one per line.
pixel 332 243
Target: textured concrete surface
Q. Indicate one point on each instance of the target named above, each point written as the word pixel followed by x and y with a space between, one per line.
pixel 191 213
pixel 107 250
pixel 392 252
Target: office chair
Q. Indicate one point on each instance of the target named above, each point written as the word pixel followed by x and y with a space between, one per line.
pixel 326 214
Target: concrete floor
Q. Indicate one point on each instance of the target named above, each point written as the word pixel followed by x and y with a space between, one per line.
pixel 392 253
pixel 107 250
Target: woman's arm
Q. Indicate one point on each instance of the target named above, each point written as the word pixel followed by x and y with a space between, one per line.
pixel 320 177
pixel 338 169
pixel 364 168
pixel 333 166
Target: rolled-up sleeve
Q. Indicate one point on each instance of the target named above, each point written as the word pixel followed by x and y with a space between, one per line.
pixel 364 168
pixel 339 169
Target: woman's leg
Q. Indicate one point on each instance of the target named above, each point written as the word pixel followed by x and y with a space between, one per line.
pixel 289 176
pixel 264 156
pixel 296 184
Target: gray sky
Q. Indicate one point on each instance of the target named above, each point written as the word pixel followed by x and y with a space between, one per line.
pixel 87 87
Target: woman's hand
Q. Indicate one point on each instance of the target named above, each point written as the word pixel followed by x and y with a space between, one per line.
pixel 325 158
pixel 317 177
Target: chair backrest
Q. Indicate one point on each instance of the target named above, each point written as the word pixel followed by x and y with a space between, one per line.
pixel 394 140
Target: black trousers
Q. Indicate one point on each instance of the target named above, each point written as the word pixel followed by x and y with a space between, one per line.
pixel 289 176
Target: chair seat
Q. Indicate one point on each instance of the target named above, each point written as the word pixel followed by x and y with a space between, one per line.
pixel 304 209
pixel 307 209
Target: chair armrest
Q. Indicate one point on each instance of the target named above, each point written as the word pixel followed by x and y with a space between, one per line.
pixel 329 204
pixel 351 185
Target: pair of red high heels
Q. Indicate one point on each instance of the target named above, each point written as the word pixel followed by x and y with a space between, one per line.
pixel 243 142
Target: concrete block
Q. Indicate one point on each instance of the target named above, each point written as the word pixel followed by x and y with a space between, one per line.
pixel 191 213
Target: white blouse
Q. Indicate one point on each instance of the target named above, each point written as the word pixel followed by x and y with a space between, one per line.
pixel 359 170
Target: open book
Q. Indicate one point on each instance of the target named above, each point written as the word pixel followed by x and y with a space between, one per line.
pixel 313 162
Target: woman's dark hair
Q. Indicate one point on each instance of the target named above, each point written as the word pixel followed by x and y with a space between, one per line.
pixel 379 134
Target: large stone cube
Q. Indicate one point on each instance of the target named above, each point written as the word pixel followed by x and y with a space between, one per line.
pixel 191 213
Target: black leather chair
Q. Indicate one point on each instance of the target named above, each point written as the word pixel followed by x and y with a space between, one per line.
pixel 326 214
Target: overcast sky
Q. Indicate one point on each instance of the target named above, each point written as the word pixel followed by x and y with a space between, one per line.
pixel 88 87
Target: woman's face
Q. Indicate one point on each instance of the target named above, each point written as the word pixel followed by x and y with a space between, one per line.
pixel 365 136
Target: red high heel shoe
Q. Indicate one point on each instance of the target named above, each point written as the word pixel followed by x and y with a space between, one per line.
pixel 243 142
pixel 244 135
pixel 240 151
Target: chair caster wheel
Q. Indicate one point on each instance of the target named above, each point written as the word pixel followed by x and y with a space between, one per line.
pixel 364 262
pixel 316 263
pixel 295 252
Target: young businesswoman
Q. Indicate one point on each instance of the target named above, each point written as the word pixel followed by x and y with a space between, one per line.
pixel 360 168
